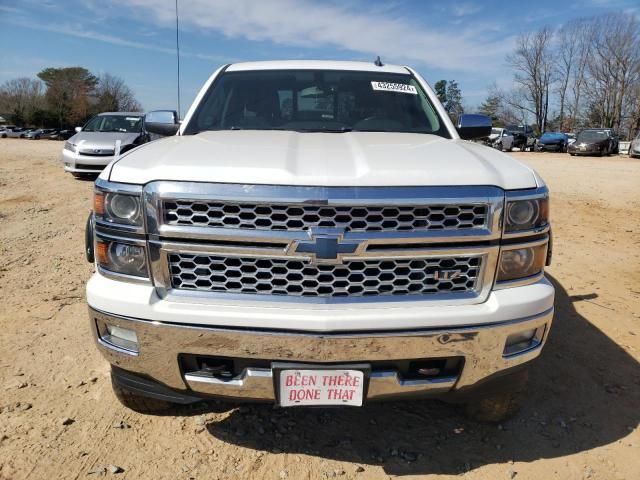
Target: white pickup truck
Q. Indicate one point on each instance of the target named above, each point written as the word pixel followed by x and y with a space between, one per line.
pixel 319 233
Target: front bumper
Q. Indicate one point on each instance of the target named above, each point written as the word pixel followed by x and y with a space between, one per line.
pixel 549 147
pixel 75 163
pixel 589 150
pixel 162 344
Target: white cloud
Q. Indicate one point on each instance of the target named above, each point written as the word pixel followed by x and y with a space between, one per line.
pixel 77 30
pixel 354 28
pixel 465 9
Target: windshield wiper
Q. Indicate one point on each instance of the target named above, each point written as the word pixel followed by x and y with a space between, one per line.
pixel 300 130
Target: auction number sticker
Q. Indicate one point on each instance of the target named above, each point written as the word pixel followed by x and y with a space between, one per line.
pixel 321 387
pixel 394 87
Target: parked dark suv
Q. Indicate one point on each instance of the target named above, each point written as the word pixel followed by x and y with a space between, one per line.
pixel 523 136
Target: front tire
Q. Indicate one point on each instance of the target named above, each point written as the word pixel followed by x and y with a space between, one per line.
pixel 501 404
pixel 139 403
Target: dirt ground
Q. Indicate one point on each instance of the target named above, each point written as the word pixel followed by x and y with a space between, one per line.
pixel 59 419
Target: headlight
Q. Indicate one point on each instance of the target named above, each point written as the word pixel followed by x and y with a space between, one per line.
pixel 521 262
pixel 526 214
pixel 121 257
pixel 120 208
pixel 69 146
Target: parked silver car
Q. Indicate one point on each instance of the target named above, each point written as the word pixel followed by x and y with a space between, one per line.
pixel 94 145
pixel 16 132
pixel 634 148
pixel 501 139
pixel 39 133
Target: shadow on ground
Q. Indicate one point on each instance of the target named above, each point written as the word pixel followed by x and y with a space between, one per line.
pixel 584 393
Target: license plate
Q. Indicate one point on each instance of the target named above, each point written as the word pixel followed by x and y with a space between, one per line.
pixel 321 387
pixel 582 147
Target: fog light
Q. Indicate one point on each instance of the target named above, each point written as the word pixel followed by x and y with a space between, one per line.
pixel 122 337
pixel 522 341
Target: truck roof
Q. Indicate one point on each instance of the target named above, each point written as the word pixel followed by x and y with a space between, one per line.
pixel 315 65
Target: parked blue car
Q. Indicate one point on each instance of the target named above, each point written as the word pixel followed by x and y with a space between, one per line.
pixel 552 142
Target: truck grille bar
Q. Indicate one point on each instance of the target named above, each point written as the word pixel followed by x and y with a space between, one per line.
pixel 271 276
pixel 265 216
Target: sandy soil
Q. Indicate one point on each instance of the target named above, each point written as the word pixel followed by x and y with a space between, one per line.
pixel 59 419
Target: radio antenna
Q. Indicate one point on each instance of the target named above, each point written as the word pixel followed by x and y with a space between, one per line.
pixel 178 57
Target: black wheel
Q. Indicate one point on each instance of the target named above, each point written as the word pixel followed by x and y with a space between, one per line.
pixel 500 147
pixel 502 403
pixel 139 403
pixel 4 135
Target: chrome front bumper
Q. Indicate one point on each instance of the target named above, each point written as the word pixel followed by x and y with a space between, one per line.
pixel 160 344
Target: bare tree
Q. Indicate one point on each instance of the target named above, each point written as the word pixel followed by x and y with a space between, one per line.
pixel 613 67
pixel 533 63
pixel 632 117
pixel 573 40
pixel 112 94
pixel 21 98
pixel 513 106
pixel 584 32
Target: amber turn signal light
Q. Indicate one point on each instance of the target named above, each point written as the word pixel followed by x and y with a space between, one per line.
pixel 98 203
pixel 102 254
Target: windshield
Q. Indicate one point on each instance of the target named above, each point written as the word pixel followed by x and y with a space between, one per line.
pixel 316 101
pixel 552 136
pixel 496 131
pixel 114 123
pixel 592 136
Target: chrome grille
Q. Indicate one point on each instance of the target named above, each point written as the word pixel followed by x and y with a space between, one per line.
pixel 264 216
pixel 100 152
pixel 355 278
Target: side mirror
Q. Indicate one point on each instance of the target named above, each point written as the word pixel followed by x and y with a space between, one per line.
pixel 471 126
pixel 162 122
pixel 78 129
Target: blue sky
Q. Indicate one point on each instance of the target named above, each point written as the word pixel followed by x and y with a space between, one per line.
pixel 135 39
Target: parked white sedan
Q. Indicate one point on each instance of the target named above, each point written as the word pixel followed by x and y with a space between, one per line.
pixel 501 139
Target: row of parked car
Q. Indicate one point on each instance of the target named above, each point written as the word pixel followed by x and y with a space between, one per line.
pixel 10 131
pixel 590 141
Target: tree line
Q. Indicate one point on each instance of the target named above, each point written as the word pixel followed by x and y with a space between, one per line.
pixel 584 74
pixel 64 97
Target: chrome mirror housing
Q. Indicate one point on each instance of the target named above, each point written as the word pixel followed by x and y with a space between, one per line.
pixel 162 122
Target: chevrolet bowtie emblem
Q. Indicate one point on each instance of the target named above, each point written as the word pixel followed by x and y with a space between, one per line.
pixel 326 247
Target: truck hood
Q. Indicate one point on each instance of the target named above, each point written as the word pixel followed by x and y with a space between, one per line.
pixel 321 159
pixel 102 140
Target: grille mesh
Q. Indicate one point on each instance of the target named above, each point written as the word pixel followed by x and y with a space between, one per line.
pixel 303 217
pixel 214 273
